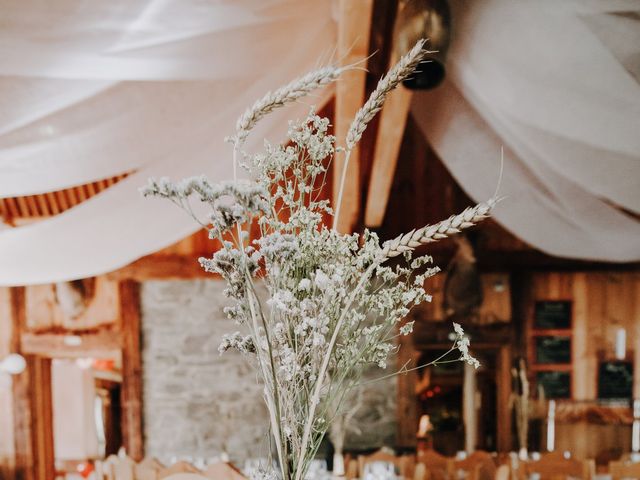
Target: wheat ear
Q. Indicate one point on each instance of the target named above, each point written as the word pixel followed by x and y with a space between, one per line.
pixel 432 233
pixel 400 71
pixel 289 93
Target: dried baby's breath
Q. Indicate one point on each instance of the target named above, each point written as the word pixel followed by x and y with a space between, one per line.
pixel 333 308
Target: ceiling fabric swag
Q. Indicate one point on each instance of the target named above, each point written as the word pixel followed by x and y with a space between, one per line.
pixel 564 103
pixel 93 90
pixel 156 123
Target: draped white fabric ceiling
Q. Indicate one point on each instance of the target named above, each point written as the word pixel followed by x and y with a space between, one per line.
pixel 90 90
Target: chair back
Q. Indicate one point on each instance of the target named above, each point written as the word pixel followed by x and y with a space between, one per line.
pixel 186 476
pixel 477 466
pixel 437 466
pixel 554 466
pixel 351 472
pixel 223 471
pixel 178 467
pixel 503 472
pixel 381 455
pixel 420 472
pixel 116 467
pixel 148 469
pixel 621 470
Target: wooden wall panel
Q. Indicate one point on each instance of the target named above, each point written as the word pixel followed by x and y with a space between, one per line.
pixel 602 303
pixel 495 308
pixel 45 315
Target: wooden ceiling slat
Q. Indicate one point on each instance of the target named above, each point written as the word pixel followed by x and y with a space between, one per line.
pixel 24 208
pixel 33 206
pixel 62 200
pixel 91 189
pixel 70 193
pixel 11 207
pixel 44 208
pixel 82 193
pixel 52 201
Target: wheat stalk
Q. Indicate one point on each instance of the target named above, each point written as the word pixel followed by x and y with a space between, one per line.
pixel 400 71
pixel 432 233
pixel 289 93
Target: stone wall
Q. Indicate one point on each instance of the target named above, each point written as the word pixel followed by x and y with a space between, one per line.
pixel 198 403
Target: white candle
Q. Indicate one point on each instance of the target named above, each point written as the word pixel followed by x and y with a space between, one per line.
pixel 635 432
pixel 621 344
pixel 551 426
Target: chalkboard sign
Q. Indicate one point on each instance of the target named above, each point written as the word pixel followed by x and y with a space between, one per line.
pixel 615 380
pixel 553 350
pixel 555 384
pixel 555 315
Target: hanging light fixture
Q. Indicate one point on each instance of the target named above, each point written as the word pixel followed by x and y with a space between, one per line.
pixel 13 364
pixel 428 19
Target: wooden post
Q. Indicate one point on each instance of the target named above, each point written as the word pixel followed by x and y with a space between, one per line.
pixel 131 396
pixel 469 412
pixel 503 382
pixel 42 417
pixel 7 451
pixel 407 407
pixel 32 407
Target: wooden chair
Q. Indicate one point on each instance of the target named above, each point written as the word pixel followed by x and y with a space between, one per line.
pixel 407 466
pixel 477 466
pixel 351 472
pixel 223 471
pixel 620 470
pixel 115 467
pixel 148 469
pixel 178 467
pixel 381 455
pixel 186 476
pixel 554 466
pixel 420 472
pixel 437 467
pixel 503 472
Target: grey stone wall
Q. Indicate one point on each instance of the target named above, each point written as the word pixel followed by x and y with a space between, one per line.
pixel 198 403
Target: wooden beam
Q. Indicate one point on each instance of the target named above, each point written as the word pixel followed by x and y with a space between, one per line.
pixel 407 404
pixel 393 119
pixel 7 346
pixel 131 393
pixel 42 416
pixel 353 46
pixel 161 267
pixel 33 423
pixel 52 345
pixel 503 382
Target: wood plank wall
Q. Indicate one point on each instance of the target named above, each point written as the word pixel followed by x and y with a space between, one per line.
pixel 7 450
pixel 602 303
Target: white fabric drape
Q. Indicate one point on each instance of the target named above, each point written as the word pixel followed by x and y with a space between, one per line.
pixel 93 89
pixel 536 78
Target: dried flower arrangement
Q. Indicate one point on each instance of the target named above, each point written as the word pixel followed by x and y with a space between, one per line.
pixel 333 308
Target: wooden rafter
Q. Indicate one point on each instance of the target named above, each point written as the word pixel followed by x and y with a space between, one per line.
pixel 353 47
pixel 393 120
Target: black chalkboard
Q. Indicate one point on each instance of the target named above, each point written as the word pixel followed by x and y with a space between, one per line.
pixel 615 380
pixel 552 314
pixel 553 350
pixel 555 384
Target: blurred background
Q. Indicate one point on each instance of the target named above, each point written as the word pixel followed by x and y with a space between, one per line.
pixel 109 328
